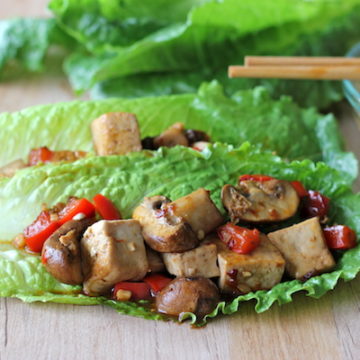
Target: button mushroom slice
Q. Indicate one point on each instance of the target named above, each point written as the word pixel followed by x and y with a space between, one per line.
pixel 61 252
pixel 197 295
pixel 116 133
pixel 198 210
pixel 174 135
pixel 162 230
pixel 112 251
pixel 195 136
pixel 10 169
pixel 260 201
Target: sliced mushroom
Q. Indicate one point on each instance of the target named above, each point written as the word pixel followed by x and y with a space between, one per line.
pixel 260 201
pixel 162 230
pixel 195 136
pixel 61 252
pixel 197 295
pixel 174 135
pixel 198 210
pixel 10 169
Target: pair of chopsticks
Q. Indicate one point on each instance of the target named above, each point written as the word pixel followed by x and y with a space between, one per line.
pixel 297 67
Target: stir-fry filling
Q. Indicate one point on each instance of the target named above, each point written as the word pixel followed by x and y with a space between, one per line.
pixel 115 133
pixel 183 255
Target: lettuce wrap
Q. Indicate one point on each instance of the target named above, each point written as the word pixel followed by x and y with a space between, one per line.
pixel 248 115
pixel 173 172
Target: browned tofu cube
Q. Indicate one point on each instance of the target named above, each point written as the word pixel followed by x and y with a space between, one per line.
pixel 116 133
pixel 10 169
pixel 200 261
pixel 112 251
pixel 304 249
pixel 262 269
pixel 198 210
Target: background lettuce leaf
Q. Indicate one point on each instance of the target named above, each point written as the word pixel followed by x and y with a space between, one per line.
pixel 171 172
pixel 245 116
pixel 25 42
pixel 175 54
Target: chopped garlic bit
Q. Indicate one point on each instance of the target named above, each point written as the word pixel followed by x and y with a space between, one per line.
pixel 19 241
pixel 201 234
pixel 131 246
pixel 79 216
pixel 54 217
pixel 123 295
pixel 246 273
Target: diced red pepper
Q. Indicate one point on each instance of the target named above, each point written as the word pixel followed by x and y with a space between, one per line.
pixel 299 188
pixel 340 237
pixel 76 206
pixel 157 282
pixel 37 233
pixel 255 177
pixel 139 290
pixel 106 208
pixel 239 239
pixel 316 204
pixel 40 155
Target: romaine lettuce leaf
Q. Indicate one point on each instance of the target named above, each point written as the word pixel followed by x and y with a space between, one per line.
pixel 171 172
pixel 26 41
pixel 333 40
pixel 250 115
pixel 179 52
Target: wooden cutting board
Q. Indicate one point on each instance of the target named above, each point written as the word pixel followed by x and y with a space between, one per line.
pixel 328 328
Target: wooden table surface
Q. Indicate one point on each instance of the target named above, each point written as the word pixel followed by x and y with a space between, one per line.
pixel 328 328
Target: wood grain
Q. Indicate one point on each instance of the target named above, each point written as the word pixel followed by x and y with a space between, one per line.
pixel 328 328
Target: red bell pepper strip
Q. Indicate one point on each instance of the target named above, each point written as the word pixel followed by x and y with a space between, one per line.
pixel 37 233
pixel 239 239
pixel 340 237
pixel 299 188
pixel 76 206
pixel 139 290
pixel 316 204
pixel 255 177
pixel 40 155
pixel 106 208
pixel 157 282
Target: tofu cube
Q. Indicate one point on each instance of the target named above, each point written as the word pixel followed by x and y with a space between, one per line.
pixel 198 210
pixel 112 251
pixel 116 133
pixel 304 249
pixel 200 261
pixel 262 269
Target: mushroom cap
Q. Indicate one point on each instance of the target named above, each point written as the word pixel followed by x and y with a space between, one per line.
pixel 198 295
pixel 161 229
pixel 260 201
pixel 61 252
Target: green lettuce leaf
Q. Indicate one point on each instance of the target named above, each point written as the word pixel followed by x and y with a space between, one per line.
pixel 26 41
pixel 171 172
pixel 334 39
pixel 174 54
pixel 245 116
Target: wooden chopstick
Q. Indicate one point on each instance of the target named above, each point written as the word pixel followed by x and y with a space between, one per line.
pixel 296 72
pixel 300 61
pixel 298 67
